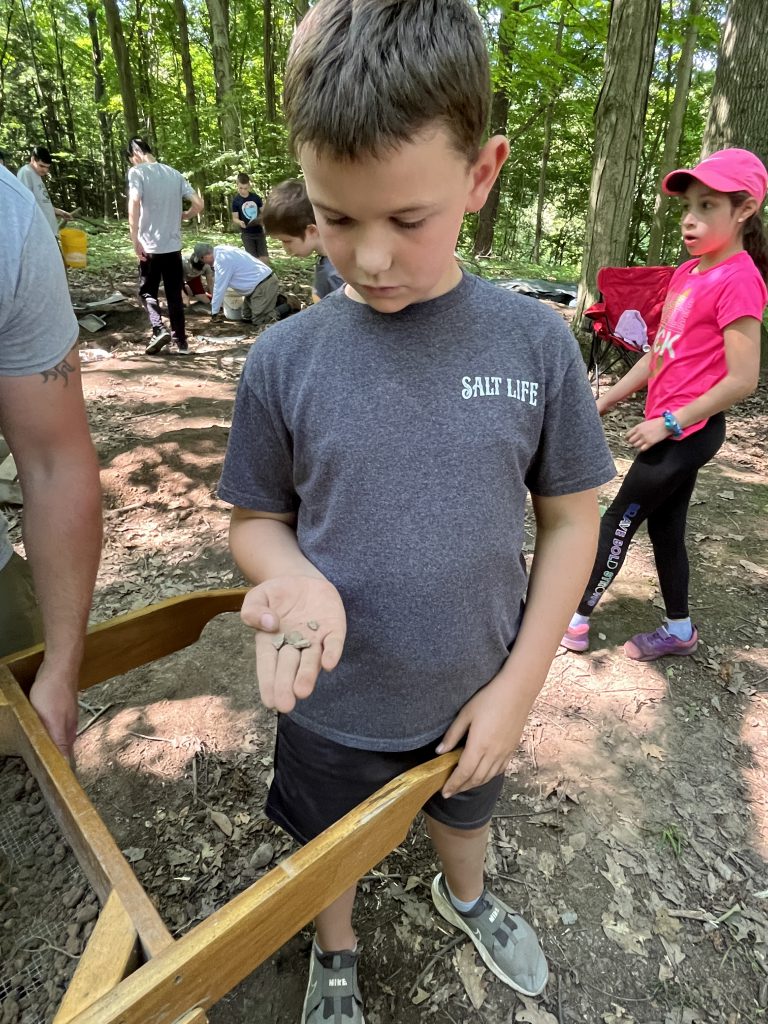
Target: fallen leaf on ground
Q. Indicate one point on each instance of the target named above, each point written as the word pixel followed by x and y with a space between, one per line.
pixel 221 821
pixel 471 975
pixel 533 1014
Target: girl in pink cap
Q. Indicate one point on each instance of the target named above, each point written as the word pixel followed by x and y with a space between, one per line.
pixel 705 357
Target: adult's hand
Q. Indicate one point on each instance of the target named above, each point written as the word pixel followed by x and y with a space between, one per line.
pixel 138 248
pixel 303 604
pixel 54 698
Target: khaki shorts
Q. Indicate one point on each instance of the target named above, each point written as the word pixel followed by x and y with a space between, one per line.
pixel 20 622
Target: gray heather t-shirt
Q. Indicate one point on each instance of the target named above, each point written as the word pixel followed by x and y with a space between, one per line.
pixel 406 443
pixel 34 335
pixel 327 277
pixel 28 176
pixel 161 190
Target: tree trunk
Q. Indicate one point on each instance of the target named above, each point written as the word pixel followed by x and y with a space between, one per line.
pixel 44 95
pixel 186 69
pixel 546 148
pixel 145 62
pixel 619 118
pixel 79 182
pixel 269 64
pixel 4 55
pixel 109 182
pixel 300 8
pixel 218 12
pixel 486 218
pixel 738 111
pixel 123 63
pixel 674 129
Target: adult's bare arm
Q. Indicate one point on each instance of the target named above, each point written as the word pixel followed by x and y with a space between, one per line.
pixel 42 417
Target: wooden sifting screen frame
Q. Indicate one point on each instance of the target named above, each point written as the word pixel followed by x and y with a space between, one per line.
pixel 132 970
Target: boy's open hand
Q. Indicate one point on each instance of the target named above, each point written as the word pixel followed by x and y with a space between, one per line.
pixel 306 605
pixel 493 721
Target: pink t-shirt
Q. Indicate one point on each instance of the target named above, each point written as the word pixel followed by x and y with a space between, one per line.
pixel 688 353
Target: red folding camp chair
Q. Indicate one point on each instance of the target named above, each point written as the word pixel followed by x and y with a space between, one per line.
pixel 622 288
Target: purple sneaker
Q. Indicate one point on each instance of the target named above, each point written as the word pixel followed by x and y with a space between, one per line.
pixel 659 643
pixel 576 638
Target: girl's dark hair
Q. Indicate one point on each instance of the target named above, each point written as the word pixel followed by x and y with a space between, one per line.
pixel 753 235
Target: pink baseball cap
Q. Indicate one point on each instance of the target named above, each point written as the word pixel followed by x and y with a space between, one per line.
pixel 727 170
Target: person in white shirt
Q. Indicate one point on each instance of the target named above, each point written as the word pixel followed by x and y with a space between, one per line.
pixel 248 276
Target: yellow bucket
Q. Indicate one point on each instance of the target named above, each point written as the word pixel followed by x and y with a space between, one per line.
pixel 74 245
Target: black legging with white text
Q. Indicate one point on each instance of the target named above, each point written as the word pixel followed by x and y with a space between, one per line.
pixel 657 488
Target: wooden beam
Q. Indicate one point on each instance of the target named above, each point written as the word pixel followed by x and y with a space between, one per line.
pixel 111 954
pixel 93 846
pixel 210 960
pixel 10 744
pixel 130 640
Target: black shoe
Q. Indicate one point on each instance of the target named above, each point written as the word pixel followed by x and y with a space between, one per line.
pixel 182 348
pixel 246 320
pixel 160 339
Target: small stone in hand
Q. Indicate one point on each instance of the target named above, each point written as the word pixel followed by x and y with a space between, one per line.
pixel 295 639
pixel 278 640
pixel 312 624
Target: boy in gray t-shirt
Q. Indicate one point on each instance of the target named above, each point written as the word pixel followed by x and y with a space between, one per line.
pixel 382 448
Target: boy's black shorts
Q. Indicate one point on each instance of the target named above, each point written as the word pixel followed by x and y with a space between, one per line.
pixel 318 781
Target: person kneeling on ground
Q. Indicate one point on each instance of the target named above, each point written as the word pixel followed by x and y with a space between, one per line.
pixel 198 282
pixel 288 216
pixel 247 276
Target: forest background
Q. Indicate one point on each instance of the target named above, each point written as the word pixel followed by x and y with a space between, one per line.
pixel 599 97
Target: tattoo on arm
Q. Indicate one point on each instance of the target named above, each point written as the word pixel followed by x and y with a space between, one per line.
pixel 60 372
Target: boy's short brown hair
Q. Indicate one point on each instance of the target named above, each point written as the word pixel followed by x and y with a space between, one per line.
pixel 287 210
pixel 243 179
pixel 365 76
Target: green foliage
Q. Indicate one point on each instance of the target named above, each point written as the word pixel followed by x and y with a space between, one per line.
pixel 547 58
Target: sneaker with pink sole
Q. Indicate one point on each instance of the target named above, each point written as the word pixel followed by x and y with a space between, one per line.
pixel 658 644
pixel 576 638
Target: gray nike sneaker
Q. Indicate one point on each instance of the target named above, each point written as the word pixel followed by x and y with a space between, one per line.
pixel 507 944
pixel 333 995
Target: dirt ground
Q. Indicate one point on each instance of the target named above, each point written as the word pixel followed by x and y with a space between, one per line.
pixel 633 830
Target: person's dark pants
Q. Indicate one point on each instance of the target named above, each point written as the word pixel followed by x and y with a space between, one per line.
pixel 21 624
pixel 165 266
pixel 255 244
pixel 657 488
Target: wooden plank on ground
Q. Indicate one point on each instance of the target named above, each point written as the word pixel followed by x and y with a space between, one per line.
pixel 207 962
pixel 111 954
pixel 130 640
pixel 91 842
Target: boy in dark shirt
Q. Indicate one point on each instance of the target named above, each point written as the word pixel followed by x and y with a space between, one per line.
pixel 288 216
pixel 382 447
pixel 246 208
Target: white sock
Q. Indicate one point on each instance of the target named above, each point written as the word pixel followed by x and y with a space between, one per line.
pixel 681 628
pixel 578 620
pixel 321 952
pixel 461 905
